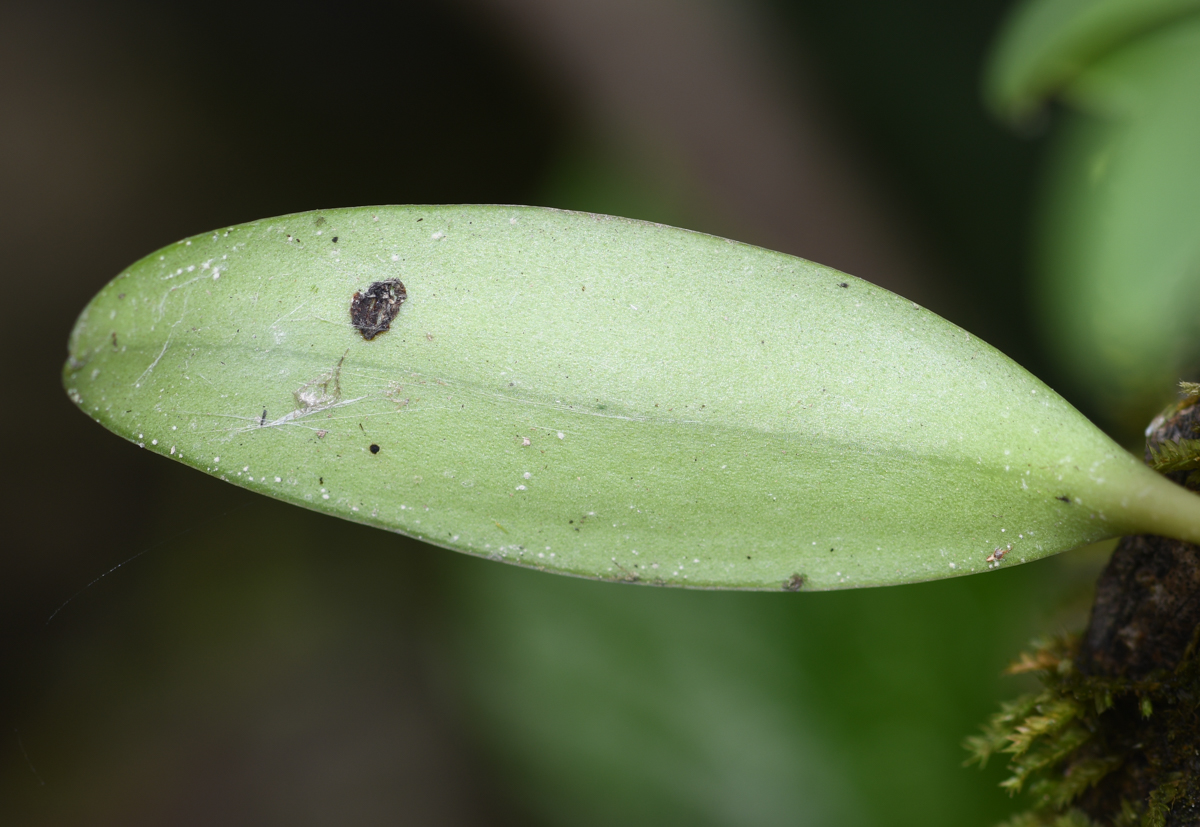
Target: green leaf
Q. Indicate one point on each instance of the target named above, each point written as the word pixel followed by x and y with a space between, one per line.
pixel 602 397
pixel 1120 251
pixel 1045 44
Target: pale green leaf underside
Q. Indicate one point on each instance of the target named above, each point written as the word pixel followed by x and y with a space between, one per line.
pixel 601 397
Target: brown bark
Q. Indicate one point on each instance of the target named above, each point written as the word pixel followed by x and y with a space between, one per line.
pixel 1143 631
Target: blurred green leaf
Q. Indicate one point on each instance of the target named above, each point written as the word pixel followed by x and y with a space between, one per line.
pixel 1045 44
pixel 601 705
pixel 602 397
pixel 1120 239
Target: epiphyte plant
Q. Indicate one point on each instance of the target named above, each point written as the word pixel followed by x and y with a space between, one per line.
pixel 601 397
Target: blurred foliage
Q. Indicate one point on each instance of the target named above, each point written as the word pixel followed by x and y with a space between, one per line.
pixel 1045 44
pixel 1118 248
pixel 649 707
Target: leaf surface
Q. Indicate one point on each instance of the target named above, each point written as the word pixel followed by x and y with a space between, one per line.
pixel 601 397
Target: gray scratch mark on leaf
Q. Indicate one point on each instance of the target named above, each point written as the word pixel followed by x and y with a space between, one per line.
pixel 161 309
pixel 294 416
pixel 300 306
pixel 138 382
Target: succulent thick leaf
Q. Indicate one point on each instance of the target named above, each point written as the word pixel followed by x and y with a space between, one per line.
pixel 602 397
pixel 1121 245
pixel 1045 43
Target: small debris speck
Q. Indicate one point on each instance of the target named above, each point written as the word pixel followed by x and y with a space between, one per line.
pixel 374 448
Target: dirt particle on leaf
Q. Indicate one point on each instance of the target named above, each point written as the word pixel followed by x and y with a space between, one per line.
pixel 373 310
pixel 794 583
pixel 374 448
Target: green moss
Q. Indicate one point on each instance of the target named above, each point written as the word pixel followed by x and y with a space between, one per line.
pixel 1093 750
pixel 1168 457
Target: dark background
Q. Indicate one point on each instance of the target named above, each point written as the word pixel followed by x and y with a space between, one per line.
pixel 259 664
